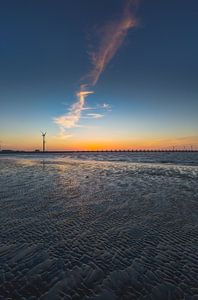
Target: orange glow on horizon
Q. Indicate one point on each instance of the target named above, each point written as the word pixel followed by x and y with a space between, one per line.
pixel 71 144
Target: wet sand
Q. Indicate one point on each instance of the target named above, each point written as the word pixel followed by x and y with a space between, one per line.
pixel 81 228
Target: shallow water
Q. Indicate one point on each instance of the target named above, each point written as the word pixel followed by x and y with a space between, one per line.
pixel 99 226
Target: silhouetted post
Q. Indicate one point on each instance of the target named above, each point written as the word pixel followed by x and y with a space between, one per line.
pixel 43 135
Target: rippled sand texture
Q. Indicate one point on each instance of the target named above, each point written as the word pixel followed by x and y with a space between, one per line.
pixel 75 229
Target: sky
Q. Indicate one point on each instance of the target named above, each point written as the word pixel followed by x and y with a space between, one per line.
pixel 99 74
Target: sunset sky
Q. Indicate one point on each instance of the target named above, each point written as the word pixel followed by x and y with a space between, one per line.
pixel 98 74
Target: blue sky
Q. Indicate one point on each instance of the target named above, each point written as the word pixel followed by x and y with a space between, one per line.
pixel 150 83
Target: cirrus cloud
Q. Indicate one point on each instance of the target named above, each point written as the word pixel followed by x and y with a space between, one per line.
pixel 112 37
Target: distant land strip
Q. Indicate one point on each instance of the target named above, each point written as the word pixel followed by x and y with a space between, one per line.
pixel 92 151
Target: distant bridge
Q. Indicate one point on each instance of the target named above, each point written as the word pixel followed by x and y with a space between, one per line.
pixel 100 151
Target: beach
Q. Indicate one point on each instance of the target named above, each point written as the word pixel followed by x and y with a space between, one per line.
pixel 99 226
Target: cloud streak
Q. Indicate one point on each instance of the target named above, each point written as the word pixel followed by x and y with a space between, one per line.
pixel 71 119
pixel 113 35
pixel 94 116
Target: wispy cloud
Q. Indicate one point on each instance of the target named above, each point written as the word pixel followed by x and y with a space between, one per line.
pixel 94 116
pixel 63 135
pixel 113 35
pixel 106 106
pixel 71 119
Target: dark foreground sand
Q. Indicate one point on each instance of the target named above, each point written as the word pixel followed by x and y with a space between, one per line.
pixel 84 229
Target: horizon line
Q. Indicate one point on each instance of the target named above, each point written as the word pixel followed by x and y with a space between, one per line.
pixel 9 151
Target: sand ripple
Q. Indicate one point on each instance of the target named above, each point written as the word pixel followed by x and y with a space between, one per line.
pixel 98 230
